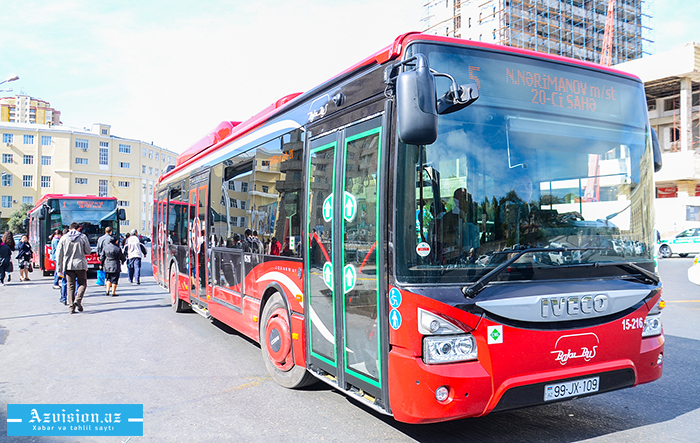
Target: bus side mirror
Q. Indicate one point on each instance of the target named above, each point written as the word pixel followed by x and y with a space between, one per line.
pixel 657 150
pixel 25 224
pixel 121 214
pixel 415 104
pixel 42 213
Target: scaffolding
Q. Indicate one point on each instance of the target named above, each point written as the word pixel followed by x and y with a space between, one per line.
pixel 571 28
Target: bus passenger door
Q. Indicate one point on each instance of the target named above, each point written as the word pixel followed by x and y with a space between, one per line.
pixel 343 285
pixel 159 240
pixel 197 262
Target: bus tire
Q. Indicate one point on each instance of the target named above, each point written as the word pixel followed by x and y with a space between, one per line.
pixel 665 251
pixel 276 345
pixel 46 273
pixel 177 304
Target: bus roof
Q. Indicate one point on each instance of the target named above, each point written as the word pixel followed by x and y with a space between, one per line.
pixel 46 197
pixel 230 130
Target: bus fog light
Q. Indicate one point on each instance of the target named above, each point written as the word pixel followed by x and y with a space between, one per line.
pixel 652 325
pixel 442 393
pixel 449 348
pixel 660 359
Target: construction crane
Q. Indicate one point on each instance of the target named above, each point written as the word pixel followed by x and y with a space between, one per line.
pixel 606 58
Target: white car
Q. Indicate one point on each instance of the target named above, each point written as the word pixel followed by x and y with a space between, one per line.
pixel 687 242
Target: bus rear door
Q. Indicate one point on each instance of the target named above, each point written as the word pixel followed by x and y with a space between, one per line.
pixel 342 269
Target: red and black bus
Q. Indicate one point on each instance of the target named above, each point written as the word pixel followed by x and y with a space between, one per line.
pixel 58 211
pixel 447 212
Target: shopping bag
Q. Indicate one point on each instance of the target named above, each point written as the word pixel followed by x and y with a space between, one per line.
pixel 100 278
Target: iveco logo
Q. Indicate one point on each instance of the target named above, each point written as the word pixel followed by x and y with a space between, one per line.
pixel 574 305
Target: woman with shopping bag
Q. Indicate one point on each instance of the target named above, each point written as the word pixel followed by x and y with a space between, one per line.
pixel 112 257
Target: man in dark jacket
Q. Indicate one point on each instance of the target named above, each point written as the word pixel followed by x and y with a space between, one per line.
pixel 112 258
pixel 104 240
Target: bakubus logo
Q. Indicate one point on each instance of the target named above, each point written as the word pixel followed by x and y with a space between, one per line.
pixel 576 346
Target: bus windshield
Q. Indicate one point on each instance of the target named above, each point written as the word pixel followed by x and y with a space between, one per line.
pixel 94 215
pixel 551 156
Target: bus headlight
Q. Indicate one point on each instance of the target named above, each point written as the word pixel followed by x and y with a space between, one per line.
pixel 652 325
pixel 449 348
pixel 652 322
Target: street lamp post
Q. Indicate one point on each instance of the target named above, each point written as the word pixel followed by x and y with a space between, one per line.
pixel 9 79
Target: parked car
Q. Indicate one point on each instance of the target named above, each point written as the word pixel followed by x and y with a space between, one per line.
pixel 687 242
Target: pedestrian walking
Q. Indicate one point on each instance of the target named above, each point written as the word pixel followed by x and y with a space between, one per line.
pixel 104 241
pixel 61 276
pixel 24 258
pixel 136 251
pixel 57 234
pixel 259 247
pixel 275 247
pixel 72 262
pixel 6 247
pixel 112 258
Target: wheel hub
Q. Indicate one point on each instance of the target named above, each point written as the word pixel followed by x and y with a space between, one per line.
pixel 278 340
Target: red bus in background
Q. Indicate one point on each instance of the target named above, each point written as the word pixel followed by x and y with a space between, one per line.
pixel 448 213
pixel 58 211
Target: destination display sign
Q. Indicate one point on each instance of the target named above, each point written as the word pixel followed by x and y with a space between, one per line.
pixel 541 85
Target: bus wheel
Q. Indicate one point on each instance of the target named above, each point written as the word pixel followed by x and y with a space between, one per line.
pixel 665 251
pixel 177 304
pixel 276 345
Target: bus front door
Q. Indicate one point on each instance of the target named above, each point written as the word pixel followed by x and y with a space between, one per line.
pixel 197 260
pixel 158 240
pixel 343 285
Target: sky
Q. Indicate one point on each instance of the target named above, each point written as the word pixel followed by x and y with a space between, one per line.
pixel 168 72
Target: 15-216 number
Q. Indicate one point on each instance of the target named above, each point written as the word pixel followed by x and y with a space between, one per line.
pixel 632 323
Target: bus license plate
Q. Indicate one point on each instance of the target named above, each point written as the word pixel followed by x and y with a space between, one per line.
pixel 571 388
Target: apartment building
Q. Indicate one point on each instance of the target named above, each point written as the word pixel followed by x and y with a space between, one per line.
pixel 37 159
pixel 26 109
pixel 571 28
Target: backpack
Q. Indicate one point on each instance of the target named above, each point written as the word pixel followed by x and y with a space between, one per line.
pixel 259 248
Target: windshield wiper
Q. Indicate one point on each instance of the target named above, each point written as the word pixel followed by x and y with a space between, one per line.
pixel 478 286
pixel 650 276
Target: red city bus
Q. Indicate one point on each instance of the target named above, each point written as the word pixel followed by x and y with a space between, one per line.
pixel 58 211
pixel 448 213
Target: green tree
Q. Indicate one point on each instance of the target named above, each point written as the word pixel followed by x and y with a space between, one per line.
pixel 16 221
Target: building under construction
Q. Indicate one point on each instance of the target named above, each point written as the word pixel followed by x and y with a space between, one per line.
pixel 571 28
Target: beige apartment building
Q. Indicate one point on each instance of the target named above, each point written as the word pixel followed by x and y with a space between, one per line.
pixel 26 109
pixel 38 159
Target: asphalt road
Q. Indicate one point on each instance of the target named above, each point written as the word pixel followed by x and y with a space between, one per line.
pixel 204 382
